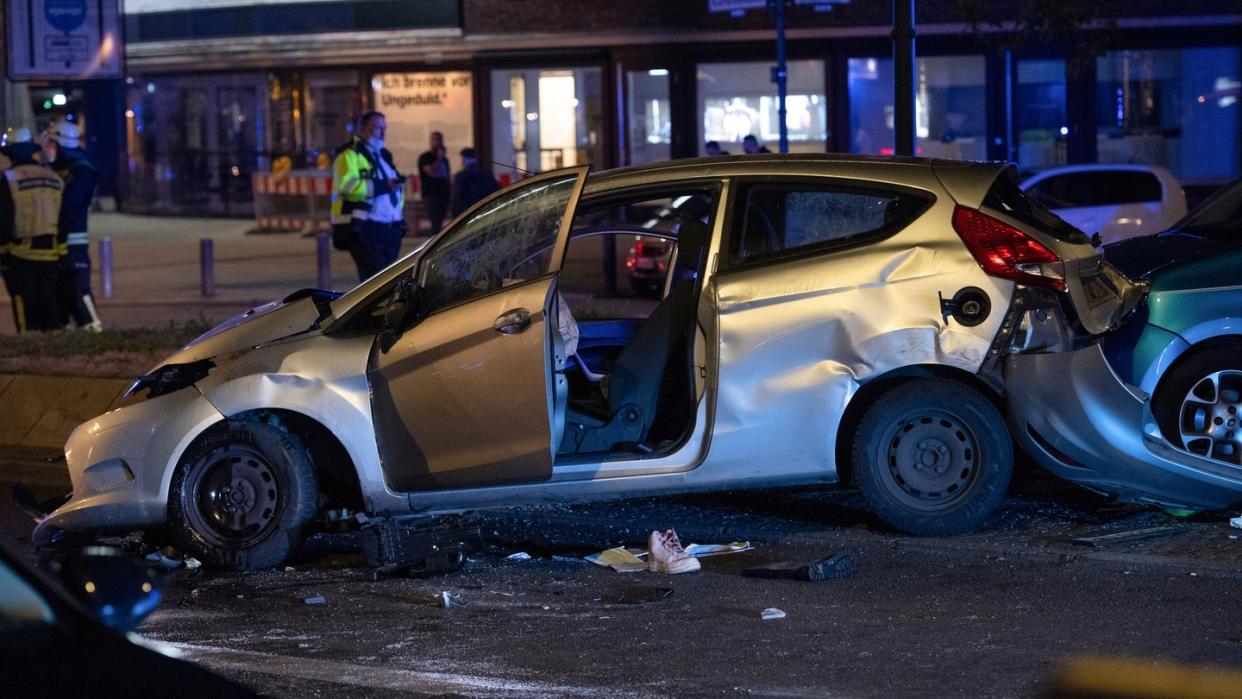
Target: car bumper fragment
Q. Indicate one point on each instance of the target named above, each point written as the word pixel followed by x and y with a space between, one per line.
pixel 1073 415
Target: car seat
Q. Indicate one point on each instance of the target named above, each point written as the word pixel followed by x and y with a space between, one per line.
pixel 625 415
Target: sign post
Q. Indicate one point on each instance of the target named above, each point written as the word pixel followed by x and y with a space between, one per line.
pixel 64 39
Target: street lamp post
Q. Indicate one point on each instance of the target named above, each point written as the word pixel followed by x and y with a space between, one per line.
pixel 780 74
pixel 903 76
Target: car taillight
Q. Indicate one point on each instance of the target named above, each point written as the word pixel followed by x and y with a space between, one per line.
pixel 1004 251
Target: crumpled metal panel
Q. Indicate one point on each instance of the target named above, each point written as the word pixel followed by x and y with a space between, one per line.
pixel 797 339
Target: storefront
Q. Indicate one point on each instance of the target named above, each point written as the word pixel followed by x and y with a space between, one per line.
pixel 535 100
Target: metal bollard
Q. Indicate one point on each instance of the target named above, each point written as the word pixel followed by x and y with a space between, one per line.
pixel 323 254
pixel 105 266
pixel 207 267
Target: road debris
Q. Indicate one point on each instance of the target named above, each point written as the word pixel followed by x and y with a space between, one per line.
pixel 448 599
pixel 1236 522
pixel 636 595
pixel 705 550
pixel 839 565
pixel 1126 536
pixel 772 613
pixel 315 599
pixel 417 547
pixel 519 556
pixel 620 559
pixel 632 560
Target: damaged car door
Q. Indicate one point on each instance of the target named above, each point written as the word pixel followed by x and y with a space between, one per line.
pixel 463 397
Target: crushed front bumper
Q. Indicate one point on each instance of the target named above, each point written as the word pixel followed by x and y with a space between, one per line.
pixel 1075 417
pixel 121 464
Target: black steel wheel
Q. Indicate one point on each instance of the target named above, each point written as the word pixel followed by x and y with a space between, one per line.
pixel 242 496
pixel 1199 404
pixel 933 457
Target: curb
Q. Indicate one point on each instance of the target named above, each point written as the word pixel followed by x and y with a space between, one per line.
pixel 41 411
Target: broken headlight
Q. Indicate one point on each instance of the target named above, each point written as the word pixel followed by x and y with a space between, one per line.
pixel 170 377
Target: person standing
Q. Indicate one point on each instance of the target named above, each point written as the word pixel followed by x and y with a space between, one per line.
pixel 471 184
pixel 367 191
pixel 433 180
pixel 30 231
pixel 62 151
pixel 750 144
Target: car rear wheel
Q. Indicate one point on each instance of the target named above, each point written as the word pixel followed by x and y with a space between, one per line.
pixel 1199 404
pixel 933 457
pixel 242 496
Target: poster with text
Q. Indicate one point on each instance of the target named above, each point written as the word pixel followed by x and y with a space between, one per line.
pixel 416 104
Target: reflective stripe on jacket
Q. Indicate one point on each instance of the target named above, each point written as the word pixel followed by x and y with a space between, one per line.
pixel 36 194
pixel 355 181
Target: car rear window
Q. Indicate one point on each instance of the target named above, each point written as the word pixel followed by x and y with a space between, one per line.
pixel 781 220
pixel 1005 197
pixel 1097 188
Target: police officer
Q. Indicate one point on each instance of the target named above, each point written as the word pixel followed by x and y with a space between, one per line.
pixel 62 150
pixel 30 203
pixel 367 193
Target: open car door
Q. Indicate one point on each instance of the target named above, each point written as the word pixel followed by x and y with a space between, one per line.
pixel 464 397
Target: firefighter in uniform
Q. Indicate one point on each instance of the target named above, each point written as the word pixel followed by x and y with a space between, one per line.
pixel 368 199
pixel 62 150
pixel 12 135
pixel 30 230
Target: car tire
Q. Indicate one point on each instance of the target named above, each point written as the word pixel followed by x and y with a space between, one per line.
pixel 242 496
pixel 932 457
pixel 1198 403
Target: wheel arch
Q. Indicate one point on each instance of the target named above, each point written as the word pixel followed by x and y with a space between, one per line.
pixel 870 390
pixel 339 486
pixel 1188 353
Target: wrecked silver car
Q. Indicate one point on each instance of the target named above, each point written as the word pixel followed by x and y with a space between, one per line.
pixel 823 319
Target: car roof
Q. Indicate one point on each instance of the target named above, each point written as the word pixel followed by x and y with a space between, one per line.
pixel 822 164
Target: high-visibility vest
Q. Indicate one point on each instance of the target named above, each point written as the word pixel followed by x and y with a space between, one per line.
pixel 353 184
pixel 36 193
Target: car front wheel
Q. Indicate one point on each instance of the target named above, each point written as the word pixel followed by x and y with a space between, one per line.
pixel 933 457
pixel 242 496
pixel 1199 404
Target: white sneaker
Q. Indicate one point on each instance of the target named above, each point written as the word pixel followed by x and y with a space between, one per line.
pixel 666 555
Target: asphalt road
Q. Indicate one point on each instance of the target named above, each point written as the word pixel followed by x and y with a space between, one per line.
pixel 987 615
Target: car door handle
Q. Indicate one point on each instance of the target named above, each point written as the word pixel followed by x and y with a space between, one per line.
pixel 513 322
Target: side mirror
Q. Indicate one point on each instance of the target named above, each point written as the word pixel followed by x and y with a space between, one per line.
pixel 399 313
pixel 117 589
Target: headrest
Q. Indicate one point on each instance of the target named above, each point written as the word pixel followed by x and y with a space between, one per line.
pixel 691 239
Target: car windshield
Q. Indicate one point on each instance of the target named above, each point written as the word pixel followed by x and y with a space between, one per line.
pixel 1219 216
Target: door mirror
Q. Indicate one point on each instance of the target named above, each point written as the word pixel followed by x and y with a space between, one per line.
pixel 117 589
pixel 401 312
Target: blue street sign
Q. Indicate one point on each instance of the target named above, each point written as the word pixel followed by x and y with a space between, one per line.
pixel 65 15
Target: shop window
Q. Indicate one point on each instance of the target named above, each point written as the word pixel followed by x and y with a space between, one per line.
pixel 543 119
pixel 332 101
pixel 950 106
pixel 650 125
pixel 1039 114
pixel 416 104
pixel 739 99
pixel 1177 108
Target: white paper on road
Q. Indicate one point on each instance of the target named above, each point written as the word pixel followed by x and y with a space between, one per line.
pixel 705 550
pixel 1236 522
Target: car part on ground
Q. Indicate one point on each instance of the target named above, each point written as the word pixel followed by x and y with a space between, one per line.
pixel 816 341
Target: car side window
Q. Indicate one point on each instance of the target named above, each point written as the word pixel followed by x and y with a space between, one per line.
pixel 779 220
pixel 508 241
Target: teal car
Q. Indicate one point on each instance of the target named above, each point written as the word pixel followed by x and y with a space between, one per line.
pixel 1153 411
